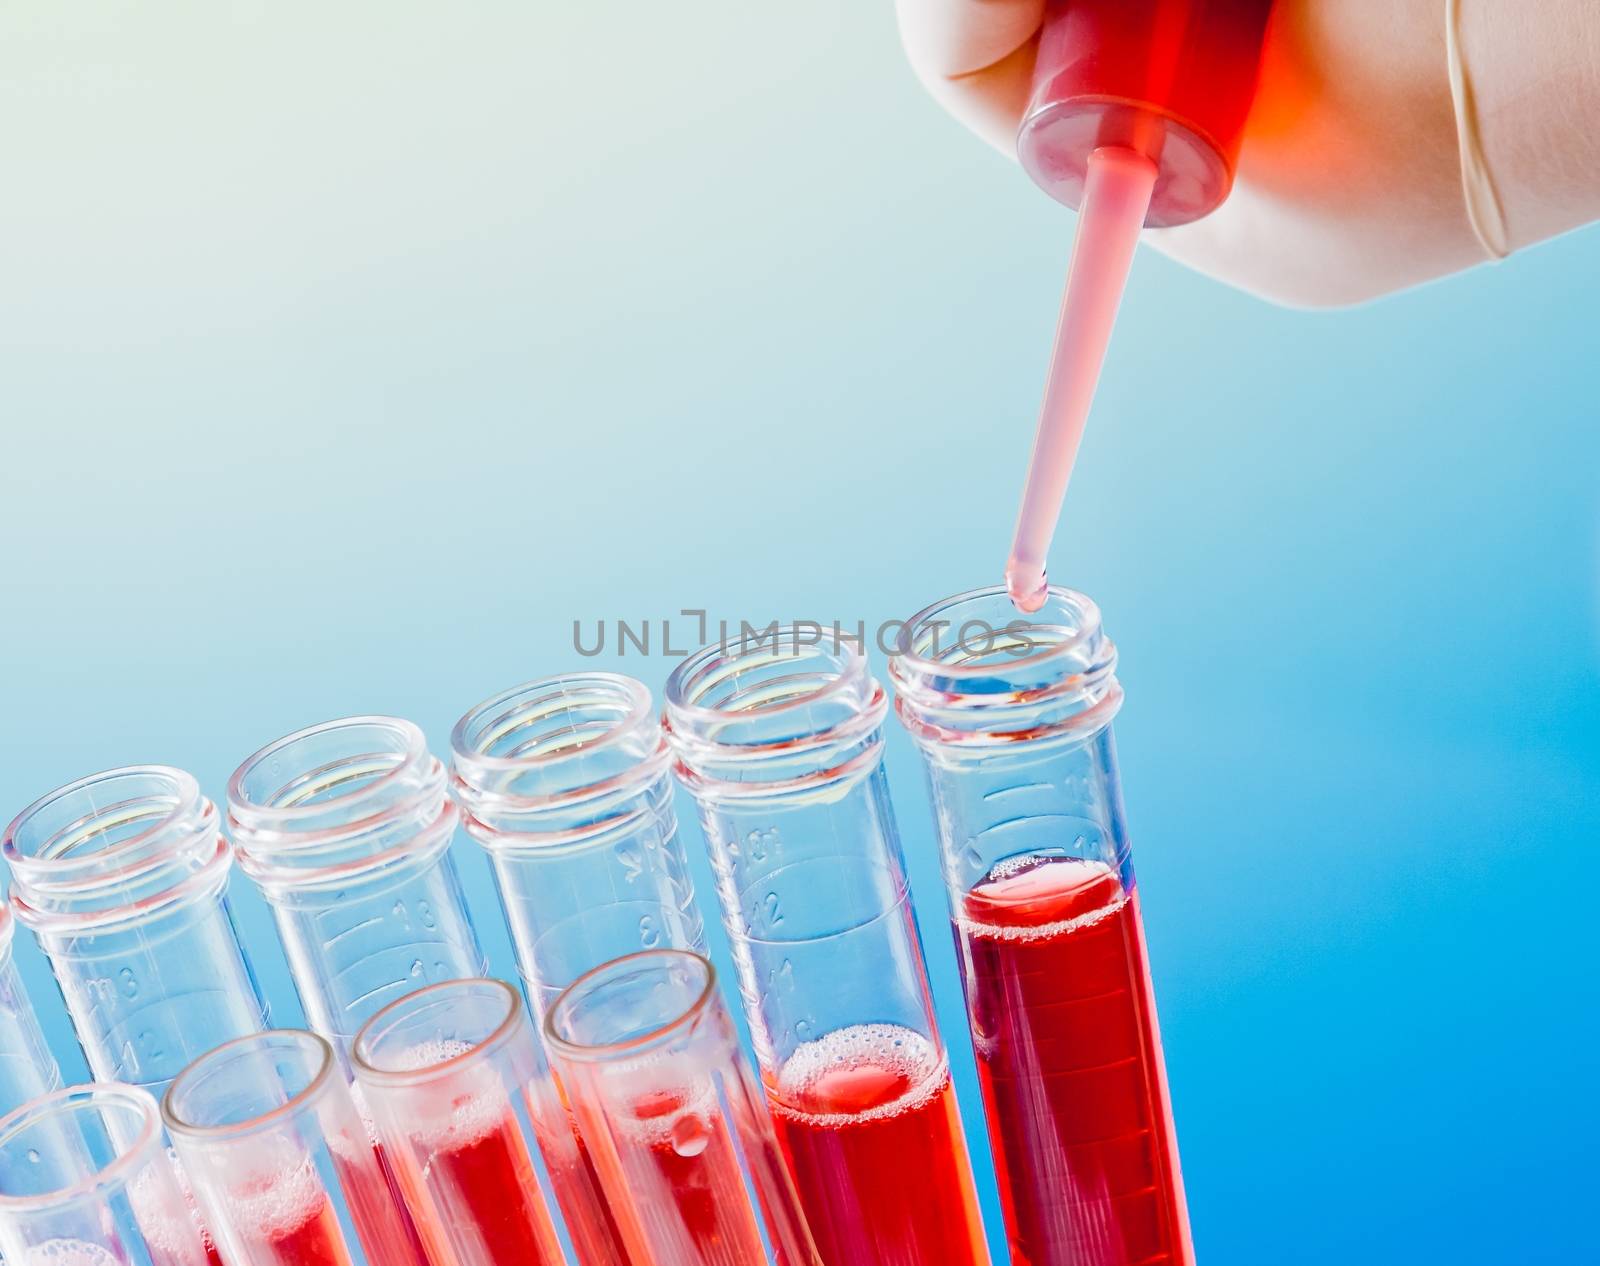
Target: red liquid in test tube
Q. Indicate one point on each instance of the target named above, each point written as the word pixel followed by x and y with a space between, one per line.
pixel 379 1209
pixel 406 1243
pixel 483 1178
pixel 1069 1054
pixel 692 1151
pixel 851 1110
pixel 289 1221
pixel 590 1221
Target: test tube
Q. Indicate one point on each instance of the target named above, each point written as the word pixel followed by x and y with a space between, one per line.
pixel 565 784
pixel 280 1160
pixel 27 1067
pixel 346 828
pixel 1014 722
pixel 780 740
pixel 123 877
pixel 449 1073
pixel 85 1180
pixel 671 1115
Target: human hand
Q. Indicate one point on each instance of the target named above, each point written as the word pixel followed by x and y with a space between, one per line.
pixel 1349 180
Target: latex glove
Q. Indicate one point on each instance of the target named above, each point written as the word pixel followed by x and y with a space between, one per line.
pixel 1349 180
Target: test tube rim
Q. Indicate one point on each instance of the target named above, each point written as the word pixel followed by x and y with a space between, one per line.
pixel 186 788
pixel 640 708
pixel 502 1034
pixel 110 1176
pixel 318 1084
pixel 57 922
pixel 266 815
pixel 691 1015
pixel 900 660
pixel 695 751
pixel 853 666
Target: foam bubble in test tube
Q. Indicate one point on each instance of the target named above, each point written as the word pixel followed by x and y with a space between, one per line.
pixel 1136 117
pixel 279 1158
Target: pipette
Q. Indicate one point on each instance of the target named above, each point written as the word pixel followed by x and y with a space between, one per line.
pixel 1136 115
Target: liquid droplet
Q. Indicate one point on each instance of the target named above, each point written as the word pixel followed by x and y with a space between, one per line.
pixel 416 967
pixel 691 1135
pixel 1027 587
pixel 33 1155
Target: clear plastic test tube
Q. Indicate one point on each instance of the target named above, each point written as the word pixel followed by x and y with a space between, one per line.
pixel 279 1159
pixel 28 1069
pixel 780 740
pixel 671 1115
pixel 123 879
pixel 1013 718
pixel 85 1180
pixel 565 783
pixel 450 1074
pixel 346 828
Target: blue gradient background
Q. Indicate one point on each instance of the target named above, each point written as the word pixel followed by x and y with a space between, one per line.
pixel 351 352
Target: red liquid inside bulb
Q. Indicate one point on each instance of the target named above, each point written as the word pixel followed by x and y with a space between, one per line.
pixel 867 1120
pixel 1069 1057
pixel 1170 79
